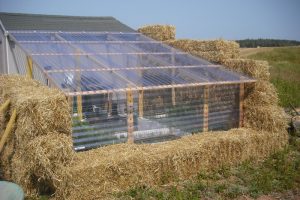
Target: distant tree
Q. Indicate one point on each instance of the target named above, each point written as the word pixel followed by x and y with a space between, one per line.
pixel 253 43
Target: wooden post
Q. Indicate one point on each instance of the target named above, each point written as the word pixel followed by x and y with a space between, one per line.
pixel 241 113
pixel 79 107
pixel 109 104
pixel 173 75
pixel 78 80
pixel 8 129
pixel 130 116
pixel 29 67
pixel 173 96
pixel 205 108
pixel 4 106
pixel 70 101
pixel 141 103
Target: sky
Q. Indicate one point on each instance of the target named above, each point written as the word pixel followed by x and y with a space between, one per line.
pixel 197 19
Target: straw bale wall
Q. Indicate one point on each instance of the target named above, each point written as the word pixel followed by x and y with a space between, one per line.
pixel 41 142
pixel 213 50
pixel 99 173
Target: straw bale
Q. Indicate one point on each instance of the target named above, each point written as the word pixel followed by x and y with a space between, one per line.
pixel 261 94
pixel 252 68
pixel 5 158
pixel 1 116
pixel 267 118
pixel 7 152
pixel 42 168
pixel 39 109
pixel 159 32
pixel 101 172
pixel 213 50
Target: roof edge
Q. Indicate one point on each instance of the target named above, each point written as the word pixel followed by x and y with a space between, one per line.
pixel 56 15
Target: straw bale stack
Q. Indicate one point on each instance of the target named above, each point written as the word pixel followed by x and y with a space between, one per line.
pixel 41 138
pixel 159 32
pixel 261 109
pixel 266 118
pixel 253 68
pixel 100 172
pixel 213 50
pixel 262 93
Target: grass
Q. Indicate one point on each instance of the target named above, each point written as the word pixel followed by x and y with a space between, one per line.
pixel 285 72
pixel 279 173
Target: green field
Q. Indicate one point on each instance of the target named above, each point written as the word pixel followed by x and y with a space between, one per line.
pixel 285 70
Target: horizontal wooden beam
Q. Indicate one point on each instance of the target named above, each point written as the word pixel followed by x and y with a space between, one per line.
pixel 128 68
pixel 87 42
pixel 77 32
pixel 106 53
pixel 158 87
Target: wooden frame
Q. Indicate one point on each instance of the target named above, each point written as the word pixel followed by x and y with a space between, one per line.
pixel 8 129
pixel 128 68
pixel 29 67
pixel 130 125
pixel 141 103
pixel 241 106
pixel 157 87
pixel 205 108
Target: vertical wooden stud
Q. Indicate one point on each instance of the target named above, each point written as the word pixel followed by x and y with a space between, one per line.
pixel 173 75
pixel 141 103
pixel 130 116
pixel 70 101
pixel 79 107
pixel 29 67
pixel 205 108
pixel 109 105
pixel 79 97
pixel 173 96
pixel 241 108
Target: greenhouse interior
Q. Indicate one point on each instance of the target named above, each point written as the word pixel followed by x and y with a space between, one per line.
pixel 126 87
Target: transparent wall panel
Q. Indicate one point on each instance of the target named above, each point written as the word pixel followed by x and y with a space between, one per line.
pixel 223 107
pixel 103 120
pixel 170 113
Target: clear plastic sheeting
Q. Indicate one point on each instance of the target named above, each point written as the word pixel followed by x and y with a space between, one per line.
pixel 127 87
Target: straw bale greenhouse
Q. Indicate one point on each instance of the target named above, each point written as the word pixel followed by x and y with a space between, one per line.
pixel 121 85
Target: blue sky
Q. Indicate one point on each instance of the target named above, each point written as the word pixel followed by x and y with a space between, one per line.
pixel 200 19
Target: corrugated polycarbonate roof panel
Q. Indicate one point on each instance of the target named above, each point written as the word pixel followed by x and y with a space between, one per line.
pixel 97 62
